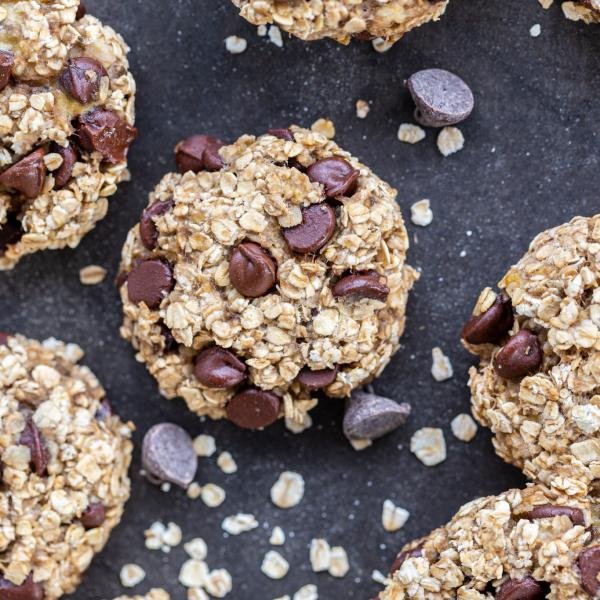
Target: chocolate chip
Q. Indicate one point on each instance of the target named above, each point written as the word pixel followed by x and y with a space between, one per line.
pixel 253 408
pixel 199 153
pixel 282 134
pixel 362 285
pixel 368 416
pixel 550 510
pixel 316 380
pixel 4 337
pixel 399 560
pixel 363 36
pixel 316 229
pixel 105 132
pixel 32 437
pixel 252 271
pixel 150 281
pixel 81 11
pixel 589 567
pixel 442 98
pixel 219 368
pixel 520 356
pixel 105 410
pixel 81 78
pixel 93 516
pixel 28 175
pixel 521 589
pixel 492 325
pixel 337 175
pixel 148 230
pixel 168 454
pixel 62 175
pixel 26 591
pixel 10 232
pixel 7 62
pixel 170 343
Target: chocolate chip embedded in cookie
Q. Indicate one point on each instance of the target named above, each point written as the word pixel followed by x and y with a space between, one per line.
pixel 248 289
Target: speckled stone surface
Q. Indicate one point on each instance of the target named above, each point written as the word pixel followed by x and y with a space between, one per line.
pixel 528 164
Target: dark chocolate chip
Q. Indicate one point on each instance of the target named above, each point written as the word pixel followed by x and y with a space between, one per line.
pixel 148 230
pixel 26 591
pixel 252 270
pixel 81 78
pixel 337 175
pixel 198 153
pixel 219 368
pixel 362 285
pixel 150 281
pixel 253 408
pixel 28 175
pixel 282 134
pixel 32 437
pixel 317 380
pixel 521 589
pixel 589 567
pixel 363 36
pixel 316 229
pixel 105 132
pixel 62 175
pixel 550 510
pixel 7 61
pixel 441 97
pixel 168 454
pixel 520 356
pixel 10 232
pixel 492 325
pixel 4 337
pixel 402 556
pixel 170 343
pixel 105 410
pixel 93 516
pixel 81 11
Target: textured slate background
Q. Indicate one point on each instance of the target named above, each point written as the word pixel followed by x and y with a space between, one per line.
pixel 531 161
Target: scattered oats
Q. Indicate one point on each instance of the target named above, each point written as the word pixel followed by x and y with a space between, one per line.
pixel 235 44
pixel 212 495
pixel 411 134
pixel 204 445
pixel 450 140
pixel 378 577
pixel 362 109
pixel 441 368
pixel 193 573
pixel 320 555
pixel 275 36
pixel 359 445
pixel 464 427
pixel 218 583
pixel 261 30
pixel 429 446
pixel 274 565
pixel 92 275
pixel 381 45
pixel 535 30
pixel 159 537
pixel 307 592
pixel 226 463
pixel 296 427
pixel 239 523
pixel 421 213
pixel 288 490
pixel 194 490
pixel 277 537
pixel 197 593
pixel 546 3
pixel 172 535
pixel 324 127
pixel 131 575
pixel 339 566
pixel 196 548
pixel 393 517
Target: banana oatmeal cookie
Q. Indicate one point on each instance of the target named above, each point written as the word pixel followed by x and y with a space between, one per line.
pixel 154 594
pixel 271 268
pixel 521 545
pixel 66 122
pixel 538 339
pixel 64 458
pixel 343 19
pixel 584 10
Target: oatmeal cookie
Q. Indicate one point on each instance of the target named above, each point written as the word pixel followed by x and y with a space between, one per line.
pixel 277 269
pixel 153 594
pixel 343 19
pixel 584 10
pixel 538 339
pixel 66 122
pixel 64 458
pixel 524 544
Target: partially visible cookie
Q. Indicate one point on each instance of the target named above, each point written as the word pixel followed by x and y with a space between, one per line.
pixel 584 10
pixel 153 594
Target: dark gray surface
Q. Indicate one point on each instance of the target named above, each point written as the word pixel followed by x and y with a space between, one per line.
pixel 531 161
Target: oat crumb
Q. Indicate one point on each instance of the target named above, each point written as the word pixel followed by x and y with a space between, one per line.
pixel 239 523
pixel 324 127
pixel 274 565
pixel 362 109
pixel 320 555
pixel 288 490
pixel 212 495
pixel 421 213
pixel 131 575
pixel 393 517
pixel 204 445
pixel 441 367
pixel 464 427
pixel 277 537
pixel 410 134
pixel 535 30
pixel 359 445
pixel 275 36
pixel 339 565
pixel 92 275
pixel 381 45
pixel 429 446
pixel 450 140
pixel 235 44
pixel 226 463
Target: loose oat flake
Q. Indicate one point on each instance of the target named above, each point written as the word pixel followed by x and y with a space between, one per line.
pixel 212 495
pixel 288 490
pixel 464 427
pixel 235 44
pixel 429 446
pixel 324 127
pixel 239 523
pixel 277 537
pixel 393 517
pixel 362 109
pixel 421 213
pixel 441 367
pixel 320 555
pixel 92 275
pixel 205 445
pixel 450 140
pixel 274 565
pixel 410 134
pixel 131 575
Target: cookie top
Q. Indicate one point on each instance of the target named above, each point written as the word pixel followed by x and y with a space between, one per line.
pixel 343 19
pixel 153 594
pixel 278 272
pixel 65 457
pixel 66 122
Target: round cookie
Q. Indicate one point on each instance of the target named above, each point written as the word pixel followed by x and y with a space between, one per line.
pixel 64 458
pixel 276 270
pixel 343 19
pixel 66 122
pixel 153 594
pixel 523 544
pixel 587 11
pixel 539 344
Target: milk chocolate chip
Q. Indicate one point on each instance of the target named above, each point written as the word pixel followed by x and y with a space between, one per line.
pixel 492 325
pixel 337 175
pixel 362 285
pixel 28 175
pixel 148 230
pixel 32 437
pixel 252 270
pixel 150 281
pixel 219 368
pixel 519 357
pixel 316 229
pixel 199 153
pixel 81 78
pixel 253 408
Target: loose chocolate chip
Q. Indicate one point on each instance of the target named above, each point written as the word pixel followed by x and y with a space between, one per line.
pixel 550 510
pixel 282 134
pixel 150 281
pixel 93 516
pixel 520 356
pixel 492 325
pixel 368 416
pixel 589 567
pixel 316 380
pixel 148 230
pixel 316 229
pixel 26 591
pixel 7 61
pixel 521 589
pixel 399 560
pixel 105 410
pixel 442 98
pixel 81 78
pixel 337 175
pixel 81 11
pixel 199 153
pixel 28 175
pixel 219 368
pixel 253 408
pixel 32 437
pixel 168 454
pixel 105 132
pixel 252 271
pixel 62 175
pixel 362 285
pixel 10 232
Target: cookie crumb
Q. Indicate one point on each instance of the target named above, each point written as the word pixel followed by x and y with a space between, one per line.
pixel 324 127
pixel 421 213
pixel 194 490
pixel 410 134
pixel 546 3
pixel 288 490
pixel 393 517
pixel 535 30
pixel 464 427
pixel 240 523
pixel 131 575
pixel 92 275
pixel 218 583
pixel 212 495
pixel 320 555
pixel 297 427
pixel 226 463
pixel 235 44
pixel 362 109
pixel 429 446
pixel 359 445
pixel 196 548
pixel 339 565
pixel 441 367
pixel 381 45
pixel 193 573
pixel 204 445
pixel 450 140
pixel 277 537
pixel 274 565
pixel 275 36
